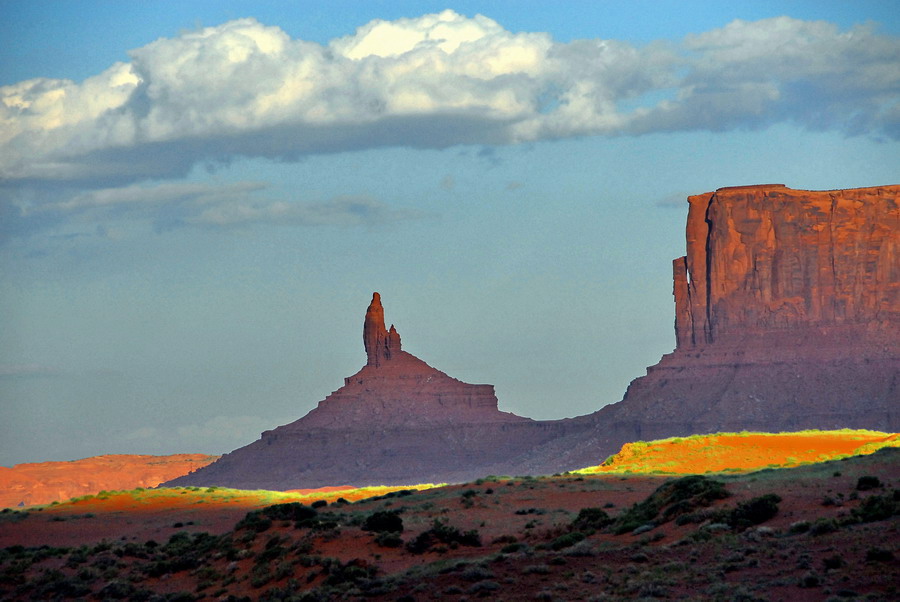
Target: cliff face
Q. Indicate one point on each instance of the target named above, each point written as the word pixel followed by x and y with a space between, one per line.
pixel 787 316
pixel 771 258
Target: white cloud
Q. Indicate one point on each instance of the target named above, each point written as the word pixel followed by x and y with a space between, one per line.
pixel 243 88
pixel 171 205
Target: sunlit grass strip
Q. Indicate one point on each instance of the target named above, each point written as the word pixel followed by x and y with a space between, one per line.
pixel 742 451
pixel 146 498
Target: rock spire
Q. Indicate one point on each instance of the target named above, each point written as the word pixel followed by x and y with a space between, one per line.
pixel 381 344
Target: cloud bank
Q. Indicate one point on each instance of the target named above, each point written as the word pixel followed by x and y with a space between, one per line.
pixel 170 205
pixel 246 89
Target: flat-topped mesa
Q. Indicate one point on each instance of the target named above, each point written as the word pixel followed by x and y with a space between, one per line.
pixel 765 258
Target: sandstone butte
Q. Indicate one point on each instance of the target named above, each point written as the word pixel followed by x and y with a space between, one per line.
pixel 46 482
pixel 787 317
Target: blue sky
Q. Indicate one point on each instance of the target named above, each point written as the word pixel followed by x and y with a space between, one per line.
pixel 198 199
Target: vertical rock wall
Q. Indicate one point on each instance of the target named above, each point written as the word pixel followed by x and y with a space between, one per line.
pixel 772 258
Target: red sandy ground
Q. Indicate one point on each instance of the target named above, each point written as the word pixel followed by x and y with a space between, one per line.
pixel 45 482
pixel 770 563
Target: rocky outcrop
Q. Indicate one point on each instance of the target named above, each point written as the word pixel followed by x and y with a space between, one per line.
pixel 46 482
pixel 787 317
pixel 396 421
pixel 395 388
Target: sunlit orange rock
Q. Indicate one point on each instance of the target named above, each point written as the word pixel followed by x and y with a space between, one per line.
pixel 45 482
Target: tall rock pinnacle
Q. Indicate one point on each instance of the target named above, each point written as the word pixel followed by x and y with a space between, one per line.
pixel 381 344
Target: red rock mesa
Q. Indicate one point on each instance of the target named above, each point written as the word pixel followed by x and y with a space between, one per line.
pixel 787 317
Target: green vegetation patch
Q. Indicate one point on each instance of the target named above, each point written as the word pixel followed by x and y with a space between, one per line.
pixel 670 500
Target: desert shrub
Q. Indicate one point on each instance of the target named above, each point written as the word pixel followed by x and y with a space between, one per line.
pixel 582 549
pixel 879 555
pixel 185 551
pixel 476 573
pixel 754 511
pixel 443 533
pixel 117 590
pixel 591 518
pixel 810 580
pixel 672 498
pixel 833 562
pixel 389 540
pixel 801 526
pixel 823 526
pixel 483 588
pixel 564 541
pixel 512 548
pixel 270 553
pixel 351 573
pixel 60 588
pixel 254 521
pixel 383 522
pixel 290 511
pixel 505 539
pixel 867 482
pixel 876 507
pixel 524 511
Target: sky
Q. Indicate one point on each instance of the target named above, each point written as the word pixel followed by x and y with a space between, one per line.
pixel 197 199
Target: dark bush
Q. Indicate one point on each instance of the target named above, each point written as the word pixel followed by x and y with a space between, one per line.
pixel 564 541
pixel 591 518
pixel 383 522
pixel 867 482
pixel 254 521
pixel 879 555
pixel 833 562
pixel 291 511
pixel 355 571
pixel 512 548
pixel 754 511
pixel 672 498
pixel 116 590
pixel 823 526
pixel 876 507
pixel 389 540
pixel 319 504
pixel 443 533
